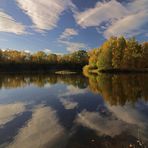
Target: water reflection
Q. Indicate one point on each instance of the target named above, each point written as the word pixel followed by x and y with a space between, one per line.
pixel 9 111
pixel 42 130
pixel 73 111
pixel 119 89
pixel 8 81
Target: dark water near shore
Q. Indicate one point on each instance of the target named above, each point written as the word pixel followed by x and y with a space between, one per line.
pixel 73 111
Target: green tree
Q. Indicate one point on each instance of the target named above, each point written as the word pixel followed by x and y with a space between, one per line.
pixel 52 58
pixel 117 52
pixel 144 59
pixel 80 56
pixel 105 57
pixel 40 57
pixel 93 57
pixel 132 53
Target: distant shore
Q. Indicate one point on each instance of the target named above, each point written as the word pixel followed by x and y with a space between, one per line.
pixel 43 68
pixel 120 71
pixel 43 71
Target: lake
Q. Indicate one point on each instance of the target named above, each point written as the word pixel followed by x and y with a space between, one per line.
pixel 73 111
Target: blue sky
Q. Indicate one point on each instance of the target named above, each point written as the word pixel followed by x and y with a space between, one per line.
pixel 63 26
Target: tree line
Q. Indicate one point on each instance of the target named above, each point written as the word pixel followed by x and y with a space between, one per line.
pixel 14 60
pixel 119 53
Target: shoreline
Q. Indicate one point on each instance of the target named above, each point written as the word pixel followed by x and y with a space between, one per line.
pixel 56 72
pixel 119 71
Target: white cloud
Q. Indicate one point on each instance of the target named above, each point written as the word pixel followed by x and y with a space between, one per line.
pixel 8 24
pixel 133 115
pixel 44 14
pixel 128 26
pixel 68 104
pixel 27 51
pixel 49 51
pixel 102 12
pixel 73 46
pixel 71 90
pixel 102 126
pixel 68 32
pixel 121 120
pixel 43 130
pixel 137 6
pixel 70 45
pixel 126 19
pixel 130 114
pixel 10 111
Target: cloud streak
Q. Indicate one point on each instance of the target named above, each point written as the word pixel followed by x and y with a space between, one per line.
pixel 70 45
pixel 71 90
pixel 128 26
pixel 68 104
pixel 102 126
pixel 73 46
pixel 10 111
pixel 128 19
pixel 44 14
pixel 43 130
pixel 9 24
pixel 102 12
pixel 68 32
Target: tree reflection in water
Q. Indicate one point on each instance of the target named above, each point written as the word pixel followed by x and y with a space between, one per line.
pixel 115 89
pixel 41 80
pixel 119 89
pixel 80 118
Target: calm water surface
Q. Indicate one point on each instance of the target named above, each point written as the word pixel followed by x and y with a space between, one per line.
pixel 73 111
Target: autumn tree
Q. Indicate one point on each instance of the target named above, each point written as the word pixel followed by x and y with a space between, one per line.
pixel 132 53
pixel 145 55
pixel 39 57
pixel 105 57
pixel 119 53
pixel 93 57
pixel 52 58
pixel 119 44
pixel 80 56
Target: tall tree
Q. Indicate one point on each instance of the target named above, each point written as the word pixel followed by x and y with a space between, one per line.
pixel 119 44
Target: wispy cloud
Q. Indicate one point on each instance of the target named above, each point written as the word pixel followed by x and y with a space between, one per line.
pixel 68 32
pixel 70 45
pixel 44 14
pixel 110 126
pixel 8 24
pixel 128 19
pixel 102 12
pixel 128 26
pixel 134 116
pixel 10 111
pixel 137 6
pixel 73 46
pixel 68 104
pixel 71 90
pixel 49 51
pixel 43 129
